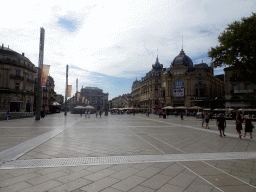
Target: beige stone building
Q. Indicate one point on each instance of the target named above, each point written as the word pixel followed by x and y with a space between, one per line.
pixel 183 84
pixel 150 86
pixel 122 101
pixel 135 94
pixel 96 97
pixel 16 81
pixel 186 84
pixel 239 93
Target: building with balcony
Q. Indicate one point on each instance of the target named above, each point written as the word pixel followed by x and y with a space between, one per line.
pixel 122 101
pixel 48 95
pixel 182 84
pixel 16 81
pixel 96 97
pixel 239 93
pixel 150 85
pixel 186 84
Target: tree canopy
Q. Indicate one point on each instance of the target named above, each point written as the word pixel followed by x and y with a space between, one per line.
pixel 237 48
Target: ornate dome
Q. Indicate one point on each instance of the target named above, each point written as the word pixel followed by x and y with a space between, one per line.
pixel 182 59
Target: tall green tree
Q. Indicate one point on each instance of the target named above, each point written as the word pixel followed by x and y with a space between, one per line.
pixel 237 48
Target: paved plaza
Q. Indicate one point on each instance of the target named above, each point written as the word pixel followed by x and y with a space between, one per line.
pixel 118 153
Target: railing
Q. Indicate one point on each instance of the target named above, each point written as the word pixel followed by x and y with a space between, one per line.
pixel 243 91
pixel 236 79
pixel 15 115
pixel 16 77
pixel 201 98
pixel 31 80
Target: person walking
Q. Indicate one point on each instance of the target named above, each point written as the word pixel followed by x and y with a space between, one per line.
pixel 202 119
pixel 85 114
pixel 206 118
pixel 239 125
pixel 7 115
pixel 181 115
pixel 221 123
pixel 100 114
pixel 89 113
pixel 96 114
pixel 248 125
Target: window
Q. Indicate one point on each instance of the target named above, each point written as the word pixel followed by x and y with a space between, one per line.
pixel 200 81
pixel 18 73
pixel 178 84
pixel 17 86
pixel 156 80
pixel 235 86
pixel 248 86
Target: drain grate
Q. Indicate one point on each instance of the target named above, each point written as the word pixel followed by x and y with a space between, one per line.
pixel 58 162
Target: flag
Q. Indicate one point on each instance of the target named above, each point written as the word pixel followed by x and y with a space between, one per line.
pixel 69 88
pixel 78 96
pixel 44 74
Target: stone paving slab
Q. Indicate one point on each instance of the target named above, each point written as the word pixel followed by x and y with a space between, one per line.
pixel 125 136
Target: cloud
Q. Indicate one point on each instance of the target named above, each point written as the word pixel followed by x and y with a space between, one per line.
pixel 116 38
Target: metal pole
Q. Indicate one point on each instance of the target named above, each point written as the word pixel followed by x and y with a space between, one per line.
pixel 40 64
pixel 66 91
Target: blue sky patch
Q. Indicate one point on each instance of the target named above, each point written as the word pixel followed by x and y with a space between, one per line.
pixel 69 24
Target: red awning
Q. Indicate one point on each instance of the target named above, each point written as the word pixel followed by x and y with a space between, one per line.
pixel 157 107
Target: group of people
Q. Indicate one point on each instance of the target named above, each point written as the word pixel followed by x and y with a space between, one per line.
pixel 221 123
pixel 248 126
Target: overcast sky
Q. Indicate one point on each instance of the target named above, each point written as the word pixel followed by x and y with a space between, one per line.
pixel 107 44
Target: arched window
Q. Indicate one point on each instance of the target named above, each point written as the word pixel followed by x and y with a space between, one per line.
pixel 178 84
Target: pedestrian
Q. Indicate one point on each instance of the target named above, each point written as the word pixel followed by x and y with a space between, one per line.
pixel 85 114
pixel 248 125
pixel 206 118
pixel 221 123
pixel 100 114
pixel 89 113
pixel 7 115
pixel 239 125
pixel 148 113
pixel 181 115
pixel 202 119
pixel 96 114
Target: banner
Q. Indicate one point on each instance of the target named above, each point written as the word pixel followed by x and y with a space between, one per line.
pixel 69 88
pixel 178 92
pixel 44 74
pixel 83 99
pixel 78 96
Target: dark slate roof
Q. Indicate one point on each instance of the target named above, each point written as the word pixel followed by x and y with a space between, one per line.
pixel 10 52
pixel 182 59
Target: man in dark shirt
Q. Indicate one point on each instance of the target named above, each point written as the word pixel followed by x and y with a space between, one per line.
pixel 221 123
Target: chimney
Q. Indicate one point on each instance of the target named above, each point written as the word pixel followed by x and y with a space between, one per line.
pixel 23 54
pixel 8 46
pixel 2 46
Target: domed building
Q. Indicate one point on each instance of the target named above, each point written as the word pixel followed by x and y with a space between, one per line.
pixel 186 84
pixel 16 81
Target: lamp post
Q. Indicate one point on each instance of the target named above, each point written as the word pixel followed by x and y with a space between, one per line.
pixel 40 63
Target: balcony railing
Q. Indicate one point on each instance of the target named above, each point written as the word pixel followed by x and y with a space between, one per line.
pixel 241 91
pixel 31 80
pixel 201 98
pixel 17 77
